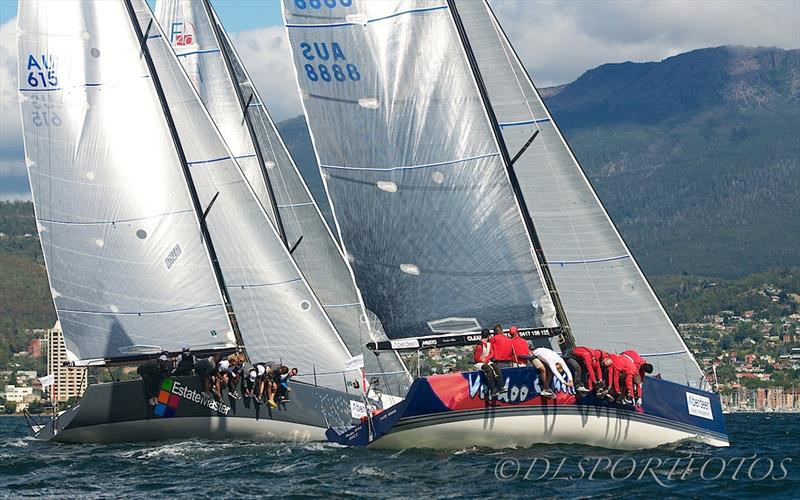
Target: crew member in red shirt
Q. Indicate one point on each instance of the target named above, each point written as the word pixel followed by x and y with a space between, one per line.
pixel 481 353
pixel 501 352
pixel 590 358
pixel 519 347
pixel 642 366
pixel 621 367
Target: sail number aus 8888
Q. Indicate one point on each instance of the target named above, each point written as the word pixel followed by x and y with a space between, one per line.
pixel 323 71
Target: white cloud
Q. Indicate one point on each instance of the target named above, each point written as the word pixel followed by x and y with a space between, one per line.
pixel 559 40
pixel 11 154
pixel 265 53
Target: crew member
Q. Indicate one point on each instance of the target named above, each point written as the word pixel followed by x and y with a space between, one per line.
pixel 483 362
pixel 186 362
pixel 556 366
pixel 590 362
pixel 250 384
pixel 153 373
pixel 501 352
pixel 205 369
pixel 621 368
pixel 643 368
pixel 519 347
pixel 575 365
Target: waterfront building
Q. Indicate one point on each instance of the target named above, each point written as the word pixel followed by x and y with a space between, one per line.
pixel 68 382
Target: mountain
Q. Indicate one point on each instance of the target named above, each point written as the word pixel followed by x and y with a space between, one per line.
pixel 696 157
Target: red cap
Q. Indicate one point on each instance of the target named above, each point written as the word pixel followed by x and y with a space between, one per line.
pixel 513 330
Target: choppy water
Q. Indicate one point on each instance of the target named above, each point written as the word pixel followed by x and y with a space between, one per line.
pixel 245 469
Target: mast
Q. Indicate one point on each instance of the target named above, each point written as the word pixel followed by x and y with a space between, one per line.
pixel 199 212
pixel 567 337
pixel 244 105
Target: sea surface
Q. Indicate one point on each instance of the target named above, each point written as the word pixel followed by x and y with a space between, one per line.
pixel 763 460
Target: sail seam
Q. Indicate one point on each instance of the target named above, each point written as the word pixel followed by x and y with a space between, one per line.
pixel 383 18
pixel 291 205
pixel 589 261
pixel 523 122
pixel 411 167
pixel 97 223
pixel 141 313
pixel 196 52
pixel 222 158
pixel 259 285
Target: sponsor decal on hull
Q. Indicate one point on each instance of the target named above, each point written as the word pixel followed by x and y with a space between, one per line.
pixel 171 394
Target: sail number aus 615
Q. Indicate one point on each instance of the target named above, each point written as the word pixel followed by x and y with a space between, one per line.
pixel 338 70
pixel 41 72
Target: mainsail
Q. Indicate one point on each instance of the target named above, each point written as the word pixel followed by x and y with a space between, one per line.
pixel 608 301
pixel 128 269
pixel 419 190
pixel 278 315
pixel 120 133
pixel 205 51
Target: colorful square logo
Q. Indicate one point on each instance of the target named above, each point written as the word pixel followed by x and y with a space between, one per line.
pixel 167 402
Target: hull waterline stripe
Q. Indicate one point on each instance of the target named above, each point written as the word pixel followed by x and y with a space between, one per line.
pixel 523 122
pixel 408 423
pixel 410 167
pixel 369 21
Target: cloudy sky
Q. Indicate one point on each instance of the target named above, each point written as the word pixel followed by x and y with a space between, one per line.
pixel 557 39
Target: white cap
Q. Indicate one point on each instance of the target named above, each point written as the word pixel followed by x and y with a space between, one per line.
pixel 261 369
pixel 252 375
pixel 223 365
pixel 163 357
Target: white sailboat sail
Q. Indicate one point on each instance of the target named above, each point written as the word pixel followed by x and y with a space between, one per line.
pixel 609 303
pixel 191 33
pixel 278 315
pixel 193 40
pixel 419 191
pixel 128 269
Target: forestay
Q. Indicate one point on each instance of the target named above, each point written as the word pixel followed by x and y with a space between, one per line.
pixel 127 266
pixel 278 315
pixel 608 302
pixel 420 195
pixel 313 248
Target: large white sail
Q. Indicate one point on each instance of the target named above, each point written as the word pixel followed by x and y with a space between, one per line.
pixel 608 302
pixel 128 269
pixel 418 187
pixel 188 24
pixel 277 313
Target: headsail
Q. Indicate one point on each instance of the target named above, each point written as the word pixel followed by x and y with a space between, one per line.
pixel 609 303
pixel 419 191
pixel 279 316
pixel 127 266
pixel 312 245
